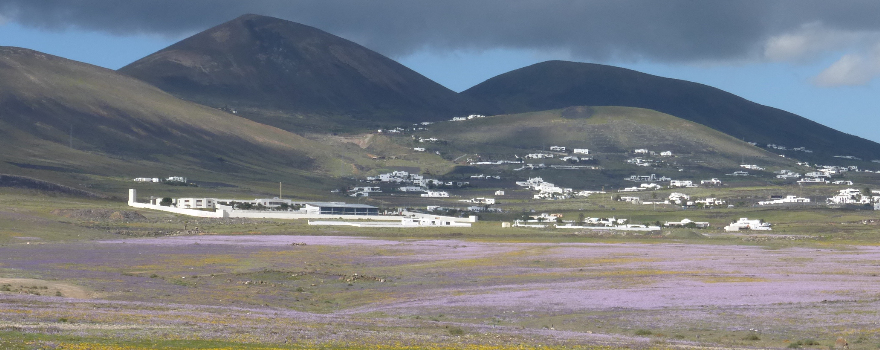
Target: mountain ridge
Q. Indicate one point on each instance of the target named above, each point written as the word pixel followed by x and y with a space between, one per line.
pixel 559 84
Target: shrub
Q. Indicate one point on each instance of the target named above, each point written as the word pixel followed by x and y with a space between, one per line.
pixel 752 337
pixel 457 331
pixel 643 332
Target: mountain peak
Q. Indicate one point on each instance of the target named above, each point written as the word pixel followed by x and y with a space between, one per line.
pixel 272 64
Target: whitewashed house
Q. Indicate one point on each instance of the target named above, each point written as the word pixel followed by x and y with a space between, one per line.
pixel 746 224
pixel 666 154
pixel 436 194
pixel 681 183
pixel 580 151
pixel 786 200
pixel 713 182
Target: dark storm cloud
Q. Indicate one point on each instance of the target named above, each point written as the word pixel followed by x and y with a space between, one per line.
pixel 675 30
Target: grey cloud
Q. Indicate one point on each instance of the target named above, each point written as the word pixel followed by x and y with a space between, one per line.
pixel 669 31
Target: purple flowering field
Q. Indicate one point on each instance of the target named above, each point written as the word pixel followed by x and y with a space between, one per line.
pixel 279 289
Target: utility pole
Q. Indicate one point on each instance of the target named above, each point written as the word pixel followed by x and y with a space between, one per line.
pixel 70 139
pixel 279 190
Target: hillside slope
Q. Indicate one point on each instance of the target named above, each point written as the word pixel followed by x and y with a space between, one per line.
pixel 608 130
pixel 277 71
pixel 559 84
pixel 63 117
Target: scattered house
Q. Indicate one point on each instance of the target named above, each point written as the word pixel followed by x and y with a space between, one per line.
pixel 651 186
pixel 640 151
pixel 751 167
pixel 687 223
pixel 411 189
pixel 682 198
pixel 640 162
pixel 436 194
pixel 739 173
pixel 539 155
pixel 710 202
pixel 571 159
pixel 681 183
pixel 366 189
pixel 631 189
pixel 580 151
pixel 851 196
pixel 666 154
pixel 786 200
pixel 842 182
pixel 499 192
pixel 176 179
pixel 746 224
pixel 459 119
pixel 419 149
pixel 787 174
pixel 557 148
pixel 647 178
pixel 586 193
pixel 813 180
pixel 712 182
pixel 628 199
pixel 146 179
pixel 480 200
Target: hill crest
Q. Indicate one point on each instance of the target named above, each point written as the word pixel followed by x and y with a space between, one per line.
pixel 269 64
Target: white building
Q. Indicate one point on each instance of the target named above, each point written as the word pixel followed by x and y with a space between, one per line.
pixel 746 224
pixel 681 183
pixel 191 203
pixel 666 154
pixel 436 194
pixel 419 149
pixel 176 179
pixel 710 202
pixel 786 200
pixel 713 182
pixel 751 167
pixel 146 179
pixel 499 193
pixel 851 196
pixel 676 197
pixel 580 151
pixel 557 148
pixel 640 151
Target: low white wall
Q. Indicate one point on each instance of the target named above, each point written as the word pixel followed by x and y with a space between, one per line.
pixel 282 215
pixel 471 218
pixel 190 212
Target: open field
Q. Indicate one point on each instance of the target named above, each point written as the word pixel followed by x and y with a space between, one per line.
pixel 80 273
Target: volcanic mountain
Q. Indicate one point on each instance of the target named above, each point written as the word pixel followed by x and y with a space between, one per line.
pixel 62 118
pixel 281 71
pixel 560 84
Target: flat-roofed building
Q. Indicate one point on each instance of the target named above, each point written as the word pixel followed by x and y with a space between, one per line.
pixel 337 208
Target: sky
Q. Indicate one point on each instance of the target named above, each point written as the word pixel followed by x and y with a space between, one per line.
pixel 817 59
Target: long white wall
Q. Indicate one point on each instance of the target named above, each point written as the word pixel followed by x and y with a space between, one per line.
pixel 190 212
